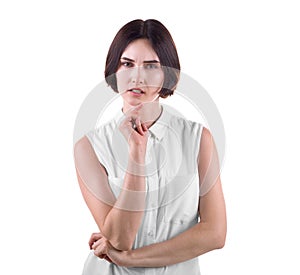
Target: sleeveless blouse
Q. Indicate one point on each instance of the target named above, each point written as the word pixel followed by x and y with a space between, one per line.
pixel 172 185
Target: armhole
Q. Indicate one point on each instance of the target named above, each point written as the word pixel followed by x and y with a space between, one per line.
pixel 198 142
pixel 199 136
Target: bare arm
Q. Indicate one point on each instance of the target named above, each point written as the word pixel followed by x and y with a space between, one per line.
pixel 118 219
pixel 207 235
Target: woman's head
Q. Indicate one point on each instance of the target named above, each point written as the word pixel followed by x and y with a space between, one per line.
pixel 160 46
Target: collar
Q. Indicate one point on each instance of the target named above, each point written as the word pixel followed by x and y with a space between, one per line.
pixel 159 127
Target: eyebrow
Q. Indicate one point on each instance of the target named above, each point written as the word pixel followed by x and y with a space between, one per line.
pixel 146 61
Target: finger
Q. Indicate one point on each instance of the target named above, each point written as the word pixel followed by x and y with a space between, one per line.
pixel 127 120
pixel 145 129
pixel 101 250
pixel 99 254
pixel 100 242
pixel 107 258
pixel 96 244
pixel 128 123
pixel 126 126
pixel 134 111
pixel 98 251
pixel 94 237
pixel 133 123
pixel 139 126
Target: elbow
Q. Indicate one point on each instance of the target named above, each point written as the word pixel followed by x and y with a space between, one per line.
pixel 219 239
pixel 123 245
pixel 119 240
pixel 220 242
pixel 120 243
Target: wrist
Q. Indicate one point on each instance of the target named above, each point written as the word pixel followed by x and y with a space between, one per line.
pixel 128 259
pixel 137 154
pixel 137 149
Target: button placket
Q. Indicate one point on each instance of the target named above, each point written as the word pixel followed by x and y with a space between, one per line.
pixel 152 194
pixel 148 157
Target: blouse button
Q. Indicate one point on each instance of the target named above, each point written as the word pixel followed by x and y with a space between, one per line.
pixel 150 233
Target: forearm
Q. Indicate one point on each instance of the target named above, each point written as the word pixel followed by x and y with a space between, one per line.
pixel 192 243
pixel 123 220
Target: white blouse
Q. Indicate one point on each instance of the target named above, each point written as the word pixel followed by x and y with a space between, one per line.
pixel 172 184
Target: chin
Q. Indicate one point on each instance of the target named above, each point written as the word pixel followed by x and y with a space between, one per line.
pixel 133 102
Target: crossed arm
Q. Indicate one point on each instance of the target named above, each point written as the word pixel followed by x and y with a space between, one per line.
pixel 118 219
pixel 207 235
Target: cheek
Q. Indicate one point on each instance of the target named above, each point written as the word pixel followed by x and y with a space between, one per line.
pixel 155 79
pixel 122 80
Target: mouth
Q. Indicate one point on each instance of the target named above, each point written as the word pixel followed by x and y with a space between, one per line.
pixel 136 91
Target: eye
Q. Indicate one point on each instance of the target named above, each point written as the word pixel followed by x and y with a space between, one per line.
pixel 126 64
pixel 151 66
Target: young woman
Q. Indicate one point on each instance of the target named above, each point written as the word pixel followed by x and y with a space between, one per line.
pixel 150 178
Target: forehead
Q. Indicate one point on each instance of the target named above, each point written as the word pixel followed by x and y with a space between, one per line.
pixel 140 50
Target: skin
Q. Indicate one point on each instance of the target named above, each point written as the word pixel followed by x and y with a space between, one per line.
pixel 207 235
pixel 140 68
pixel 118 219
pixel 118 227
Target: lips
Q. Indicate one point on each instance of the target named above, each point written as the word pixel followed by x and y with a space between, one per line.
pixel 136 91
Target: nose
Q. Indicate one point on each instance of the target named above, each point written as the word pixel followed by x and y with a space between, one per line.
pixel 137 76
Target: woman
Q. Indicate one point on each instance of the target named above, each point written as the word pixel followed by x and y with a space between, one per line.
pixel 150 178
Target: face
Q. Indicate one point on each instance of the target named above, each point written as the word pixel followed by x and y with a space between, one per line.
pixel 140 76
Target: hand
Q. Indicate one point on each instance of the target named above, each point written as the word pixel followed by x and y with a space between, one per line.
pixel 134 131
pixel 104 250
pixel 100 245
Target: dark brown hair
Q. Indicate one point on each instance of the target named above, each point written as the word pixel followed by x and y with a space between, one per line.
pixel 161 42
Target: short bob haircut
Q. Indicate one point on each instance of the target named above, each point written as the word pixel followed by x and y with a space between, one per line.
pixel 160 40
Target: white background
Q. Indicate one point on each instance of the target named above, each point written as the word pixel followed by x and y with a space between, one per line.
pixel 244 53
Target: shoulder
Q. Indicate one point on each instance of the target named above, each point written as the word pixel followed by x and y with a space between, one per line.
pixel 184 123
pixel 207 148
pixel 206 140
pixel 82 146
pixel 206 135
pixel 188 132
pixel 91 137
pixel 101 131
pixel 95 138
